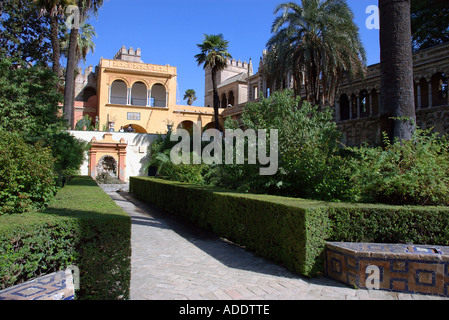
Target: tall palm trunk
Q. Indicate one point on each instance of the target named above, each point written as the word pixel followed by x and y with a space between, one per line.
pixel 216 99
pixel 70 78
pixel 54 26
pixel 397 90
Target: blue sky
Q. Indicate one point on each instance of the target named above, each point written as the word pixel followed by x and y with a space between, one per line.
pixel 167 32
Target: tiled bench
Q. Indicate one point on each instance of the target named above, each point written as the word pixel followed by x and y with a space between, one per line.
pixel 415 269
pixel 55 286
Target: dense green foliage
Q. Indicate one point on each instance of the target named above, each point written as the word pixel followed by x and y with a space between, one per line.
pixel 29 107
pixel 430 23
pixel 28 98
pixel 24 33
pixel 414 172
pixel 159 153
pixel 318 43
pixel 293 231
pixel 310 161
pixel 82 227
pixel 26 175
pixel 313 164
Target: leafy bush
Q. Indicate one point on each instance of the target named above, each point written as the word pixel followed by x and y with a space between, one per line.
pixel 414 172
pixel 310 160
pixel 27 178
pixel 160 158
pixel 68 152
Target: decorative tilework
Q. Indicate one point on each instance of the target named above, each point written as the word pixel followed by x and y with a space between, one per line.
pixel 55 286
pixel 415 269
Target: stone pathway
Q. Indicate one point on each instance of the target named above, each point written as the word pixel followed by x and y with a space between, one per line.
pixel 174 260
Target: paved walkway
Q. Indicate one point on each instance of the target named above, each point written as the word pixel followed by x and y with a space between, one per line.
pixel 174 260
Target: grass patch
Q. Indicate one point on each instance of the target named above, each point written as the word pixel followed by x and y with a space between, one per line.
pixel 84 227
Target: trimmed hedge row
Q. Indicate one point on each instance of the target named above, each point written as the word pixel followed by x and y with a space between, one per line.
pixel 82 227
pixel 288 230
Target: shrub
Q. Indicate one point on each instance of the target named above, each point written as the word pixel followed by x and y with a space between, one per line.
pixel 27 179
pixel 310 163
pixel 414 172
pixel 293 231
pixel 274 227
pixel 160 158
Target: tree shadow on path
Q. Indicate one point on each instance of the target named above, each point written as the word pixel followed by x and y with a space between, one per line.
pixel 224 251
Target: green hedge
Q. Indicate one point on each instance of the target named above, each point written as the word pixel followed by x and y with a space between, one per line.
pixel 82 227
pixel 288 230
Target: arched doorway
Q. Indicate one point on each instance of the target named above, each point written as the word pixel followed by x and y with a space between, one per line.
pixel 107 155
pixel 107 165
pixel 134 128
pixel 186 125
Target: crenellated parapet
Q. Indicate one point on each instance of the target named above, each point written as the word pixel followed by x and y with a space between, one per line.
pixel 130 54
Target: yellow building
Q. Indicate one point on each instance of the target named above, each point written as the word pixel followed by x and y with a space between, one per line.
pixel 125 92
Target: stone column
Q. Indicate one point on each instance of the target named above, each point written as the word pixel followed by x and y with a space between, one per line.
pixel 128 96
pixel 148 97
pixel 122 161
pixel 350 107
pixel 370 99
pixel 430 92
pixel 358 106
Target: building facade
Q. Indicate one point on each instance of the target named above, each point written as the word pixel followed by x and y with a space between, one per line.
pixel 124 92
pixel 358 101
pixel 129 103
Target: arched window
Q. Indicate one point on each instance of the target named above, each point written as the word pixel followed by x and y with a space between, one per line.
pixel 364 104
pixel 158 96
pixel 344 107
pixel 88 93
pixel 439 89
pixel 231 99
pixel 119 92
pixel 139 94
pixel 224 101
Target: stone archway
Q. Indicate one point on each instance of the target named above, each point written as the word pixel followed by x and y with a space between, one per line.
pixel 109 156
pixel 107 164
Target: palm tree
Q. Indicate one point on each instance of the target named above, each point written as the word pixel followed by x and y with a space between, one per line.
pixel 398 115
pixel 318 43
pixel 55 10
pixel 85 43
pixel 214 55
pixel 190 96
pixel 85 7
